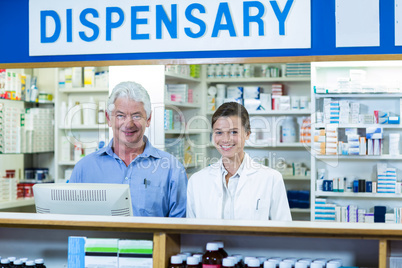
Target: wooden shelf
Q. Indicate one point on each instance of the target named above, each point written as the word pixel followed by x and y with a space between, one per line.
pixel 67 163
pixel 84 90
pixel 300 210
pixel 357 195
pixel 360 95
pixel 259 79
pixel 358 157
pixel 86 127
pixel 388 126
pixel 182 104
pixel 184 78
pixel 296 178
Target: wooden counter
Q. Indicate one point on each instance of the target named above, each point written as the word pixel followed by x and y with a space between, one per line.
pixel 167 232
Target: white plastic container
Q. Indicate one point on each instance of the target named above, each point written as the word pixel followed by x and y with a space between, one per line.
pixel 289 130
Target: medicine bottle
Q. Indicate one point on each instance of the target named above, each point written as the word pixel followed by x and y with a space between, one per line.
pixel 192 262
pixel 247 260
pixel 5 263
pixel 240 263
pixel 18 264
pixel 221 250
pixel 40 263
pixel 253 263
pixel 30 264
pixel 270 264
pixel 285 264
pixel 176 262
pixel 212 258
pixel 228 263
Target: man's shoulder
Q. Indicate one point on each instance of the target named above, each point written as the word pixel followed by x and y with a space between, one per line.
pixel 90 159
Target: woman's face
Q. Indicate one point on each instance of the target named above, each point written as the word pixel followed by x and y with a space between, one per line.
pixel 229 137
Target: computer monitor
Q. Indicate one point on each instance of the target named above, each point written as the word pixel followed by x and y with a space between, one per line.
pixel 83 199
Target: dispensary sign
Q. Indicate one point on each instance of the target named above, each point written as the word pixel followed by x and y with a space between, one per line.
pixel 127 26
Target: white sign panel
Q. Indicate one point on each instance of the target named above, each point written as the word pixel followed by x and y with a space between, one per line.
pixel 398 22
pixel 141 26
pixel 357 23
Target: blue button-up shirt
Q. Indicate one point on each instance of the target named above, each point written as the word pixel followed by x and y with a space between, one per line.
pixel 158 181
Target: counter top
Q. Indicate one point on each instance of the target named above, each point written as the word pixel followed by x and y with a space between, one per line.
pixel 183 225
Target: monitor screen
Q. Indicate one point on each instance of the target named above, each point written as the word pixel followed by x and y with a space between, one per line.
pixel 83 199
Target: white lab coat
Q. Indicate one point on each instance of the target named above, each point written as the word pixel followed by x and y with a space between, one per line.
pixel 260 194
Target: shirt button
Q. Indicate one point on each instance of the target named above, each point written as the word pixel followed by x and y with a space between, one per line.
pixel 126 178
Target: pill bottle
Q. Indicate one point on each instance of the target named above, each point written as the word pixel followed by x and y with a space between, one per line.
pixel 253 263
pixel 30 264
pixel 176 262
pixel 40 263
pixel 5 263
pixel 18 264
pixel 192 262
pixel 228 263
pixel 212 258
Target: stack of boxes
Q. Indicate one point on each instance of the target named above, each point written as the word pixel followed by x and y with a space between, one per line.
pixel 177 92
pixel 10 129
pixel 344 111
pixel 277 92
pixel 8 186
pixel 331 141
pixel 324 211
pixel 39 130
pixel 374 137
pixel 386 179
pixel 319 141
pixel 109 252
pixel 331 111
pixel 298 69
pixel 305 131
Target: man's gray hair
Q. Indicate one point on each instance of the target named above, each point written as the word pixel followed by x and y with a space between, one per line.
pixel 130 90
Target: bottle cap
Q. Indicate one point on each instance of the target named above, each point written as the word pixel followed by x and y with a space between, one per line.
pixel 39 261
pixel 24 259
pixel 199 257
pixel 301 265
pixel 284 264
pixel 5 261
pixel 192 261
pixel 211 246
pixel 247 259
pixel 261 259
pixel 176 260
pixel 228 262
pixel 182 256
pixel 333 265
pixel 269 264
pixel 188 254
pixel 30 263
pixel 18 262
pixel 12 259
pixel 254 262
pixel 291 260
pixel 239 257
pixel 316 265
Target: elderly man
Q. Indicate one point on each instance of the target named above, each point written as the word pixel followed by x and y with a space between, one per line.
pixel 157 180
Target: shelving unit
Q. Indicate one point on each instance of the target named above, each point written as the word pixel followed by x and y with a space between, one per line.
pixel 47 236
pixel 191 131
pixel 36 159
pixel 89 135
pixel 272 151
pixel 380 76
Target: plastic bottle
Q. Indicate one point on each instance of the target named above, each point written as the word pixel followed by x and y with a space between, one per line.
pixel 289 130
pixel 199 257
pixel 212 258
pixel 192 262
pixel 284 264
pixel 221 249
pixel 63 113
pixel 228 263
pixel 40 263
pixel 101 113
pixel 176 262
pixel 270 264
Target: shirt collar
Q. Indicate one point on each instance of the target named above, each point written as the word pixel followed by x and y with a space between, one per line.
pixel 238 172
pixel 149 150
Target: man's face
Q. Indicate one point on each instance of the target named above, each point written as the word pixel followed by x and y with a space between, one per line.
pixel 128 121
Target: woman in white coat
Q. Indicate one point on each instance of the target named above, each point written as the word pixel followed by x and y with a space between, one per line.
pixel 236 187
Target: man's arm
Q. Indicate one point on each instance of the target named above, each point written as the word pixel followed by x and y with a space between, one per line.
pixel 178 192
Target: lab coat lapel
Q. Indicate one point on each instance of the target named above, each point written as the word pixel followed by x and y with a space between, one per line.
pixel 217 188
pixel 248 170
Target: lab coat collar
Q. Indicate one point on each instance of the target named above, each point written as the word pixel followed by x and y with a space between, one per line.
pixel 248 169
